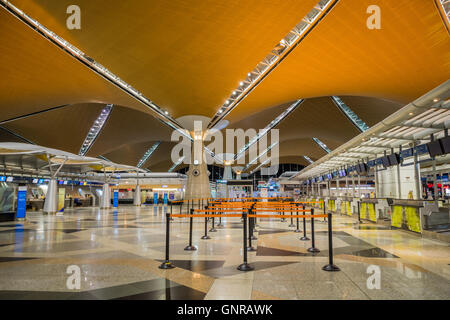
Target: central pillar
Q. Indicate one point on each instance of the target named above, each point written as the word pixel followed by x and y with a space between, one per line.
pixel 105 201
pixel 51 200
pixel 137 195
pixel 197 186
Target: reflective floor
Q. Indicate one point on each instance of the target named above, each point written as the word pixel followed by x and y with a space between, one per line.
pixel 118 253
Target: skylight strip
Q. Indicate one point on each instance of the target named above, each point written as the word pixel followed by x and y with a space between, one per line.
pixel 262 164
pixel 322 145
pixel 260 155
pixel 96 128
pixel 161 115
pixel 274 58
pixel 270 126
pixel 308 159
pixel 148 154
pixel 350 114
pixel 444 8
pixel 176 164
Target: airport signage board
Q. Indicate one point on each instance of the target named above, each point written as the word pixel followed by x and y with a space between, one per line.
pixel 21 202
pixel 116 199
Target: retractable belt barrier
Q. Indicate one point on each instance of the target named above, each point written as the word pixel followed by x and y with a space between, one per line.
pixel 249 216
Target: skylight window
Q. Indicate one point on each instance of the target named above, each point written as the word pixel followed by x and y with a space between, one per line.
pixel 352 116
pixel 176 164
pixel 270 126
pixel 148 154
pixel 96 128
pixel 322 145
pixel 308 159
pixel 260 155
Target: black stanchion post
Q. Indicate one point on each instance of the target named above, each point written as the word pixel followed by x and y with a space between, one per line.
pixel 304 238
pixel 171 206
pixel 330 266
pixel 167 264
pixel 250 232
pixel 190 247
pixel 298 226
pixel 292 220
pixel 205 236
pixel 181 207
pixel 313 248
pixel 359 211
pixel 244 266
pixel 213 229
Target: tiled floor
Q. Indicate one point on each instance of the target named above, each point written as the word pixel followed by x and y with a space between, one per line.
pixel 119 252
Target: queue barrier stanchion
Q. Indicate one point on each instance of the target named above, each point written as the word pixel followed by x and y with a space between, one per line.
pixel 297 222
pixel 181 207
pixel 190 247
pixel 205 236
pixel 304 238
pixel 330 266
pixel 254 225
pixel 359 212
pixel 213 229
pixel 250 231
pixel 292 220
pixel 171 206
pixel 313 248
pixel 244 266
pixel 167 264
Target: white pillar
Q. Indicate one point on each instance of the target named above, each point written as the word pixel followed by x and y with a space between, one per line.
pixel 227 173
pixel 51 200
pixel 105 202
pixel 197 186
pixel 137 195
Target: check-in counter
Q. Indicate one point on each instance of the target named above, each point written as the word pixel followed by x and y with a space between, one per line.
pixel 331 204
pixel 346 205
pixel 35 204
pixel 409 214
pixel 368 209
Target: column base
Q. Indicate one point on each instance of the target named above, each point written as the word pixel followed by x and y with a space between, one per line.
pixel 331 267
pixel 166 265
pixel 190 248
pixel 245 267
pixel 313 250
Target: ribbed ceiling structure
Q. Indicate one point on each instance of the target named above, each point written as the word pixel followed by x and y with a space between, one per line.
pixel 187 56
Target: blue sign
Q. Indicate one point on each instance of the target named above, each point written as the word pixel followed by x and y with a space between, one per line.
pixel 116 198
pixel 165 198
pixel 155 198
pixel 21 202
